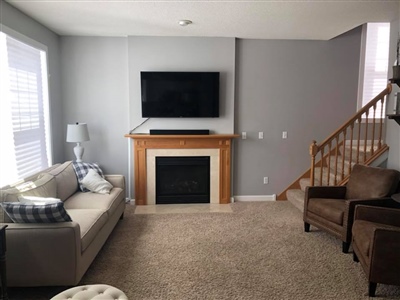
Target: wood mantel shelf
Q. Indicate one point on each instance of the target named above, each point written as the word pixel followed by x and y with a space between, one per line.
pixel 143 142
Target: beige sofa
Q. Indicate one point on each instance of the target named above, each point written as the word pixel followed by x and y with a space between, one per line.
pixel 58 254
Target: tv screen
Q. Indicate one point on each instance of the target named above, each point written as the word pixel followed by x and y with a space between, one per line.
pixel 180 94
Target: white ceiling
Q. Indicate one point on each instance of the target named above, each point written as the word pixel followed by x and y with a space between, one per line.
pixel 258 19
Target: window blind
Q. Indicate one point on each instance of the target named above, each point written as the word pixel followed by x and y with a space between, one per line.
pixel 376 63
pixel 23 109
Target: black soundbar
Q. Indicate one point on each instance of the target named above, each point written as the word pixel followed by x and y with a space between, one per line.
pixel 179 132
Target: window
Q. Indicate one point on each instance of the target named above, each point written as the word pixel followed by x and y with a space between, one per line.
pixel 374 63
pixel 24 107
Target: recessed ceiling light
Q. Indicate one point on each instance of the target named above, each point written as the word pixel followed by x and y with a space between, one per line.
pixel 184 22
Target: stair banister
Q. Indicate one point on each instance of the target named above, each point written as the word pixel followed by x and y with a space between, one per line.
pixel 328 158
pixel 316 149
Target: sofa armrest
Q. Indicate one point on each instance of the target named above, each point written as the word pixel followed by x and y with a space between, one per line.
pixel 42 254
pixel 377 214
pixel 116 180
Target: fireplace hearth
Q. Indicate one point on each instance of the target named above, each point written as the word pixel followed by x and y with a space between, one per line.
pixel 182 179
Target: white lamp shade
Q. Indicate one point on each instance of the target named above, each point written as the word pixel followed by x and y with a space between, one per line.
pixel 77 133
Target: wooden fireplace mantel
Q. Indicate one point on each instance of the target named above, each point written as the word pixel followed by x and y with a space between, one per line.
pixel 142 142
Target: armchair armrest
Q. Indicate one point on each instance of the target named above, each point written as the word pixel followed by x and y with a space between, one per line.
pixel 116 180
pixel 351 204
pixel 385 255
pixel 376 214
pixel 42 253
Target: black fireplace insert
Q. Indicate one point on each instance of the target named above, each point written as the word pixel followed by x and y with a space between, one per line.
pixel 182 179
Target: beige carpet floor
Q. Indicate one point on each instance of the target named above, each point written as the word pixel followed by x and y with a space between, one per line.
pixel 259 251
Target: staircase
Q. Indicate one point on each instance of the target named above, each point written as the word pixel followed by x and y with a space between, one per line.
pixel 359 140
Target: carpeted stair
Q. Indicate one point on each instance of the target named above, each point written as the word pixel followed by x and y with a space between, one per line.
pixel 296 196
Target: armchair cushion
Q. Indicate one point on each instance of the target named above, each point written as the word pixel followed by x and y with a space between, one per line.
pixel 368 182
pixel 329 209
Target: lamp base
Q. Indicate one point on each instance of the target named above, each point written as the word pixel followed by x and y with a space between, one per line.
pixel 79 150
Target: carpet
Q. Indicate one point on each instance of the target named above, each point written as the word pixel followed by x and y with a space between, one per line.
pixel 259 251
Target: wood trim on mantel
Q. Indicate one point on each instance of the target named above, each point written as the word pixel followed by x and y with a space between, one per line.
pixel 142 142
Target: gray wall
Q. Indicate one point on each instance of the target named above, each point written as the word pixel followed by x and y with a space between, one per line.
pixel 95 91
pixel 16 20
pixel 101 86
pixel 183 54
pixel 307 88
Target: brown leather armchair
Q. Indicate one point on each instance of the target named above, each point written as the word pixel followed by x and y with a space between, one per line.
pixel 376 244
pixel 331 208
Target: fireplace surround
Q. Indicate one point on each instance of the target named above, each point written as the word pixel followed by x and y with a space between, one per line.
pixel 148 147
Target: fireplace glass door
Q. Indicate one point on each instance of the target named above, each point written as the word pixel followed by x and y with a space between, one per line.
pixel 182 179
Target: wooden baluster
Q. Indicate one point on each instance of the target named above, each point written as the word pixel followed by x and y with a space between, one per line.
pixel 358 140
pixel 313 152
pixel 322 166
pixel 351 145
pixel 373 130
pixel 381 123
pixel 366 137
pixel 343 154
pixel 329 163
pixel 336 159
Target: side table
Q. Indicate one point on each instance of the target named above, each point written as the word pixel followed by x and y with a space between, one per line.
pixel 3 275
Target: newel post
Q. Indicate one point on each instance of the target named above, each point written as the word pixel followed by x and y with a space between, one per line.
pixel 313 153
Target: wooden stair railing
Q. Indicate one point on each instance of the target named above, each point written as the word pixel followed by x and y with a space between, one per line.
pixel 359 140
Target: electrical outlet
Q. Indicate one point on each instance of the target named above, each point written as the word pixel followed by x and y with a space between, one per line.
pixel 260 135
pixel 284 134
pixel 244 135
pixel 266 180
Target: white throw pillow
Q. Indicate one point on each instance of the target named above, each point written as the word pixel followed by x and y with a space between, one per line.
pixel 37 200
pixel 95 183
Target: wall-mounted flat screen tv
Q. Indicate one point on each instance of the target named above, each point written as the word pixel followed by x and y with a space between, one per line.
pixel 180 94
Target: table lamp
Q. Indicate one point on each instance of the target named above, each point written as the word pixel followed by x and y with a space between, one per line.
pixel 78 133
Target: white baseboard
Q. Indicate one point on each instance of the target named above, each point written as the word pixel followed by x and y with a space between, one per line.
pixel 251 198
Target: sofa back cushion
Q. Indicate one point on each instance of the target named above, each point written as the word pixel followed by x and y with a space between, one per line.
pixel 43 186
pixel 367 182
pixel 67 182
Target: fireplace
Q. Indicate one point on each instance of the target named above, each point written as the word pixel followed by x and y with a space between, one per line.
pixel 148 147
pixel 182 179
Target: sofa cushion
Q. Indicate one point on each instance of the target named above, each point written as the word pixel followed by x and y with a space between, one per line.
pixel 367 182
pixel 44 186
pixel 90 222
pixel 67 183
pixel 106 202
pixel 36 213
pixel 82 168
pixel 330 209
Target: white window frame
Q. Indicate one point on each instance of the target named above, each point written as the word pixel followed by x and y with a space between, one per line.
pixel 45 90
